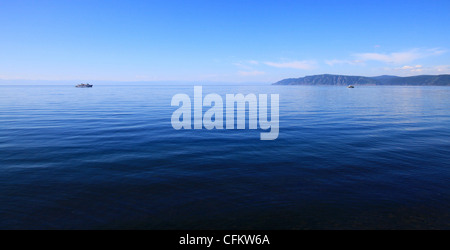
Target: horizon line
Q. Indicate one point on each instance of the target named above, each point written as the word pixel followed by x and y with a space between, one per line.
pixel 196 81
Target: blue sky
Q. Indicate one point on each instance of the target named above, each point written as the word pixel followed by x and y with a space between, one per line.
pixel 226 41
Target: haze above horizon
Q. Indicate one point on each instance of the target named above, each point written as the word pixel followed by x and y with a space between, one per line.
pixel 221 41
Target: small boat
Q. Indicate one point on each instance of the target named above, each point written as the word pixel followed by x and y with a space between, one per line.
pixel 87 85
pixel 351 87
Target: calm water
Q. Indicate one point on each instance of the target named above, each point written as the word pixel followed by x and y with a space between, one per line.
pixel 108 157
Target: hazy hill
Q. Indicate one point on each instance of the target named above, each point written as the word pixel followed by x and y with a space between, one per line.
pixel 342 80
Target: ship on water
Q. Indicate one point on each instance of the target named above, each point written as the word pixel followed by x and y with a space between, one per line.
pixel 83 85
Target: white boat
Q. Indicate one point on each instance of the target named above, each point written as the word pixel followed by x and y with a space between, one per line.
pixel 82 85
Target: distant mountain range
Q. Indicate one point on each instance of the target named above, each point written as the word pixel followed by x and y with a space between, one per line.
pixel 343 80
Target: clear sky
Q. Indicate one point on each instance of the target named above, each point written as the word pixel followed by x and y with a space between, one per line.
pixel 221 40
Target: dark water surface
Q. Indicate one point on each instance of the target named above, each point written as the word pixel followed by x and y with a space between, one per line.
pixel 108 157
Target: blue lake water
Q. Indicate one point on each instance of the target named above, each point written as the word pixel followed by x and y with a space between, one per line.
pixel 108 157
